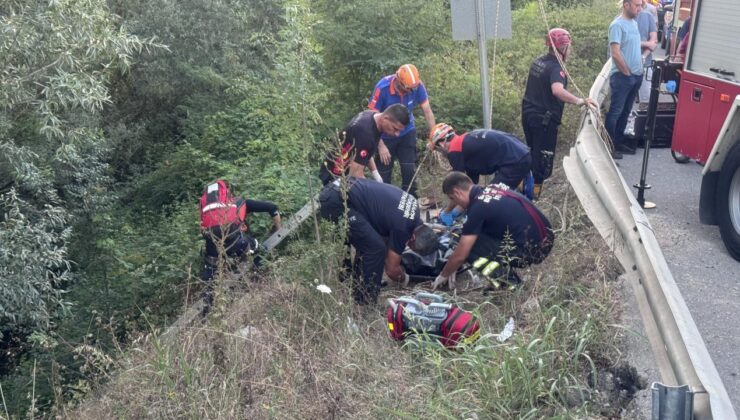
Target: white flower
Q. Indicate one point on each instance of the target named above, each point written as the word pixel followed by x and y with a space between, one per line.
pixel 323 288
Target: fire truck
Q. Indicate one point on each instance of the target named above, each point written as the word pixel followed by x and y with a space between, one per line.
pixel 707 121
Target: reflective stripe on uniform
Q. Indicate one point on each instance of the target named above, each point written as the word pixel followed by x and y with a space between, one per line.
pixel 480 262
pixel 213 206
pixel 493 265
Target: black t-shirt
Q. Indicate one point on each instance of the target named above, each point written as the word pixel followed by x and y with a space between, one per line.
pixel 392 212
pixel 359 141
pixel 493 213
pixel 483 152
pixel 538 97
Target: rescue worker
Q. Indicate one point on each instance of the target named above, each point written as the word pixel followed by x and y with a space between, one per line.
pixel 503 230
pixel 224 228
pixel 481 152
pixel 404 87
pixel 542 106
pixel 360 141
pixel 382 219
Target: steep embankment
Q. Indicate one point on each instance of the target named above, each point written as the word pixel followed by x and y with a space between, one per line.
pixel 277 347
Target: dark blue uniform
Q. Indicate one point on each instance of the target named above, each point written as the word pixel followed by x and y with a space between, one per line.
pixel 541 113
pixel 483 152
pixel 378 214
pixel 360 140
pixel 496 212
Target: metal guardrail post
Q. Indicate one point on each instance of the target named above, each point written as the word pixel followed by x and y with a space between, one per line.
pixel 672 402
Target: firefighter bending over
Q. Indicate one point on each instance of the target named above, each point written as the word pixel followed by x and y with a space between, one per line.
pixel 360 141
pixel 377 214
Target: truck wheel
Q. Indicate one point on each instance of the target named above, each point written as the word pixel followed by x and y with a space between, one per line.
pixel 728 201
pixel 679 158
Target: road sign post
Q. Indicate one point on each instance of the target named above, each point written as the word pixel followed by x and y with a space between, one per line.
pixel 481 20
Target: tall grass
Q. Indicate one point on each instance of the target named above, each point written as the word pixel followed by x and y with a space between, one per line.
pixel 283 349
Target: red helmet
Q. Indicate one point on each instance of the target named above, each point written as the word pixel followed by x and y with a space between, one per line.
pixel 558 38
pixel 408 76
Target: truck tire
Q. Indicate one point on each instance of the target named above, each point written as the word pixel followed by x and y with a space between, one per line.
pixel 728 201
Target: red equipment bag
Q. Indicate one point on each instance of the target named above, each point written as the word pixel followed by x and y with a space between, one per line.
pixel 460 326
pixel 426 313
pixel 218 207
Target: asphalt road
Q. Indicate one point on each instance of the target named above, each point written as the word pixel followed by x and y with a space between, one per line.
pixel 708 277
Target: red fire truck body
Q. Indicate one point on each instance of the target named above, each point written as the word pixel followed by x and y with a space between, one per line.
pixel 707 124
pixel 709 79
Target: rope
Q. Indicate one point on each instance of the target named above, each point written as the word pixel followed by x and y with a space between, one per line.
pixel 595 114
pixel 493 61
pixel 421 163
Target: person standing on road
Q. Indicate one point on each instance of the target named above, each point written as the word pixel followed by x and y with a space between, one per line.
pixel 503 230
pixel 406 88
pixel 360 140
pixel 382 219
pixel 543 103
pixel 626 72
pixel 648 28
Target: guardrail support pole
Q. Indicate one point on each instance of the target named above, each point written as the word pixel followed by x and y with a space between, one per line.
pixel 672 402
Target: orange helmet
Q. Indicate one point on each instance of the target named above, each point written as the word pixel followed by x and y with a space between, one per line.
pixel 440 133
pixel 558 38
pixel 408 76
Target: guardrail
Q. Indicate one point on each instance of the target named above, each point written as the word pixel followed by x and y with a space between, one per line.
pixel 679 349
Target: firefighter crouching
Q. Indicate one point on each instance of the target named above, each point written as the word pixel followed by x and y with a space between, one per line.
pixel 503 230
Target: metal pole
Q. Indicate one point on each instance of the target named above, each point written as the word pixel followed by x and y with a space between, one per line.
pixel 650 124
pixel 483 58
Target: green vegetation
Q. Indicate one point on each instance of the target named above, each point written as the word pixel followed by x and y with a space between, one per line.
pixel 115 114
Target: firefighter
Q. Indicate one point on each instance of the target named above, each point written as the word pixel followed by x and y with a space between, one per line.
pixel 225 230
pixel 382 219
pixel 483 152
pixel 542 106
pixel 502 230
pixel 359 142
pixel 404 87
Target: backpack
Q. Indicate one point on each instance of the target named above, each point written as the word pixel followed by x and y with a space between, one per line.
pixel 218 208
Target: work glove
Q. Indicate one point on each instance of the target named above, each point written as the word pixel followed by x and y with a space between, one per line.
pixel 448 218
pixel 440 280
pixel 376 176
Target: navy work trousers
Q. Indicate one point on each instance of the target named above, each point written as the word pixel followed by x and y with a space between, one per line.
pixel 541 133
pixel 402 149
pixel 370 246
